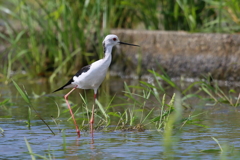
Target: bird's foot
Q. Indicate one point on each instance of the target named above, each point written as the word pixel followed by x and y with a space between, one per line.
pixel 78 133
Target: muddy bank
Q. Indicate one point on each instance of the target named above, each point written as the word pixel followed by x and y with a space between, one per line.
pixel 179 54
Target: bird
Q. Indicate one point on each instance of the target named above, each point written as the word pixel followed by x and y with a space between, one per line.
pixel 92 76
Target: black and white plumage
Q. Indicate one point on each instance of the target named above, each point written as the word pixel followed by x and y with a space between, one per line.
pixel 69 84
pixel 92 76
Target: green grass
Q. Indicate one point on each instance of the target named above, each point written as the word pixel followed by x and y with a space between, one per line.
pixel 134 113
pixel 51 34
pixel 45 38
pixel 50 38
pixel 148 106
pixel 49 156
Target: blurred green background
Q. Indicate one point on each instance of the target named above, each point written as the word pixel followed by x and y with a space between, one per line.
pixel 50 37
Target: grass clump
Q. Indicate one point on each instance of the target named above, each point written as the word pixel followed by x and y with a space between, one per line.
pixel 148 105
pixel 218 96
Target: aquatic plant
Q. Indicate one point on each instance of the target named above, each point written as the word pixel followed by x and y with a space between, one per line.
pixel 5 106
pixel 217 95
pixel 26 98
pixel 1 131
pixel 34 155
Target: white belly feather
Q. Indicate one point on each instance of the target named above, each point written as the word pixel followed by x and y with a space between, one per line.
pixel 93 78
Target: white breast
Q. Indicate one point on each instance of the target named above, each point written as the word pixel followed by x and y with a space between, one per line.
pixel 93 78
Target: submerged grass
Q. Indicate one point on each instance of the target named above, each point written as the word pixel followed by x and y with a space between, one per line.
pixel 34 155
pixel 29 149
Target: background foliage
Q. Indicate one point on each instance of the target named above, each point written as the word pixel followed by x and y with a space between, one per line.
pixel 47 38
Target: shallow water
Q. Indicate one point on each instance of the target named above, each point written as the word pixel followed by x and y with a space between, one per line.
pixel 223 123
pixel 118 144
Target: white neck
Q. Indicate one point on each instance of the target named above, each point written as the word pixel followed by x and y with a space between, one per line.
pixel 108 55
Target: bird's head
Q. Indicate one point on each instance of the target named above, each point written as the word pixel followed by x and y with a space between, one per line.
pixel 112 40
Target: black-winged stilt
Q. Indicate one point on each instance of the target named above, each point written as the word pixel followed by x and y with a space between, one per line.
pixel 91 76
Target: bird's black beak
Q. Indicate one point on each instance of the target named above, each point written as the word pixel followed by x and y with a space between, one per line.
pixel 128 44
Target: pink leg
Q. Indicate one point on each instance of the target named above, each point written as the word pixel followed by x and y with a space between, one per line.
pixel 66 99
pixel 92 117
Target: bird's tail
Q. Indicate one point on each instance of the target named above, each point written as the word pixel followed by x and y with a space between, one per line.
pixel 59 89
pixel 65 86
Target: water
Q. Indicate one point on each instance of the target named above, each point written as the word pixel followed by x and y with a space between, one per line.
pixel 223 123
pixel 115 145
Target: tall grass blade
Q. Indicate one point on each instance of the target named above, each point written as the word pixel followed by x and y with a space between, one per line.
pixel 29 149
pixel 237 103
pixel 218 143
pixel 20 91
pixel 165 78
pixel 29 117
pixel 208 92
pixel 102 109
pixel 147 116
pixel 26 98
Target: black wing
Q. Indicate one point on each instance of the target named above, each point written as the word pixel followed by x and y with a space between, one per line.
pixel 82 70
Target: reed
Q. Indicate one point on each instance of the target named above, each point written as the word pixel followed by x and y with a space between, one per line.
pixel 48 38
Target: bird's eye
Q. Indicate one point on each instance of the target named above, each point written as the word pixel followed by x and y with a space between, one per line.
pixel 114 39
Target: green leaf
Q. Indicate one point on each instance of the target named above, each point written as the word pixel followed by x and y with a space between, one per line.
pixel 29 149
pixel 190 96
pixel 102 109
pixel 232 91
pixel 21 92
pixel 137 87
pixel 156 119
pixel 67 110
pixel 218 143
pixel 147 84
pixel 197 124
pixel 6 117
pixel 192 85
pixel 114 114
pixel 148 115
pixel 4 102
pixel 163 77
pixel 211 150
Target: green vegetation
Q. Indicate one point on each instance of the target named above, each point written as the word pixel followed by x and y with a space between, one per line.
pixel 26 98
pixel 48 38
pixel 136 115
pixel 33 155
pixel 167 115
pixel 54 37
